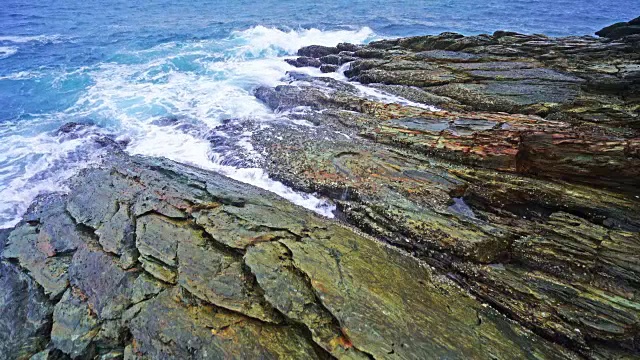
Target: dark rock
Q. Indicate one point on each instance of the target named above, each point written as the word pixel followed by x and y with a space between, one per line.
pixel 331 59
pixel 191 329
pixel 304 61
pixel 45 248
pixel 621 29
pixel 326 68
pixel 514 206
pixel 25 319
pixel 523 191
pixel 348 47
pixel 4 236
pixel 367 53
pixel 75 326
pixel 501 33
pixel 70 127
pixel 419 95
pixel 279 98
pixel 437 42
pixel 166 121
pixel 452 56
pixel 105 287
pixel 337 59
pixel 317 51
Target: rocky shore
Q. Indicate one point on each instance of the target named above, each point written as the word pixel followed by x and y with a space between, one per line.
pixel 488 207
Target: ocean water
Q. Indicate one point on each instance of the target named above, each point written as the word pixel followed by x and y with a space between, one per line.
pixel 124 67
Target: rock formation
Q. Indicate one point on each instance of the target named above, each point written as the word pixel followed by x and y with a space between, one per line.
pixel 503 224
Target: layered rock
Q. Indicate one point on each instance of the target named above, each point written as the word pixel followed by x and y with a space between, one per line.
pixel 218 269
pixel 575 79
pixel 524 190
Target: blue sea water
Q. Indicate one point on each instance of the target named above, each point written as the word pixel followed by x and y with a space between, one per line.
pixel 121 65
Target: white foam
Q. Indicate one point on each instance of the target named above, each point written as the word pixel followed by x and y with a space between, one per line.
pixel 203 81
pixel 6 51
pixel 55 38
pixel 193 151
pixel 32 165
pixel 125 93
pixel 269 42
pixel 129 92
pixel 369 92
pixel 384 97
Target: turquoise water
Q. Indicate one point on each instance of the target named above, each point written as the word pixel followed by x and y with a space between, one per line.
pixel 122 65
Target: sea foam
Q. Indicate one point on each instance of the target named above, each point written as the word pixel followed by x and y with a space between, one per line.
pixel 6 51
pixel 200 83
pixel 55 38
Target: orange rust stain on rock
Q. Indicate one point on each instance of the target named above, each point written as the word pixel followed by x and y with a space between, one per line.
pixel 341 341
pixel 318 285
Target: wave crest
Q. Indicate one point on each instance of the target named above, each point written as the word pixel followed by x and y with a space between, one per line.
pixel 267 41
pixel 6 51
pixel 43 39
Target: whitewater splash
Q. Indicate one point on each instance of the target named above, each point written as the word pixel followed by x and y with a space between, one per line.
pixel 201 83
pixel 134 94
pixel 26 39
pixel 6 51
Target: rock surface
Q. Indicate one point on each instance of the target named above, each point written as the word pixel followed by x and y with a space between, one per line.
pixel 504 224
pixel 524 189
pixel 621 29
pixel 234 271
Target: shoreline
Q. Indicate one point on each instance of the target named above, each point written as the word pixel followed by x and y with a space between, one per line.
pixel 521 188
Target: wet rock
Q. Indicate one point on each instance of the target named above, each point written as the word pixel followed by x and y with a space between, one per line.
pixel 449 56
pixel 304 61
pixel 587 309
pixel 370 330
pixel 4 236
pixel 157 240
pixel 290 291
pixel 327 68
pixel 576 78
pixel 70 127
pixel 524 189
pixel 347 47
pixel 621 29
pixel 218 277
pixel 25 319
pixel 510 97
pixel 254 276
pixel 49 354
pixel 317 51
pixel 419 78
pixel 281 97
pixel 45 249
pixel 116 236
pixel 104 285
pixel 420 96
pixel 75 325
pixel 331 59
pixel 523 192
pixel 437 42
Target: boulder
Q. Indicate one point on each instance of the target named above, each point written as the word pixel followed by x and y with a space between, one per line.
pixel 304 61
pixel 317 51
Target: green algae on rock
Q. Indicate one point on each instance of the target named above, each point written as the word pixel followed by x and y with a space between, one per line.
pixel 524 190
pixel 306 287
